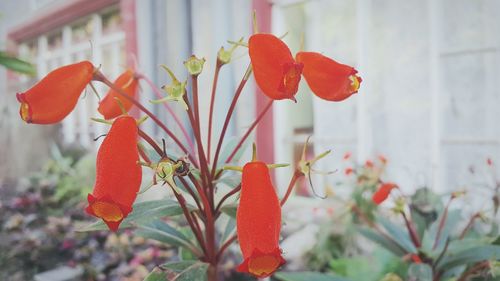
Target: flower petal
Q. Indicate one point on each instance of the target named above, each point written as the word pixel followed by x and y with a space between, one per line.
pixel 258 221
pixel 109 107
pixel 327 78
pixel 383 192
pixel 56 95
pixel 276 72
pixel 118 176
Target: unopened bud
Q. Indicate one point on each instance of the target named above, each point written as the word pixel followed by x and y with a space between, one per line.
pixel 194 65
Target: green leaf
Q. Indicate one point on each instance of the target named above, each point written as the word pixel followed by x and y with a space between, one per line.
pixel 162 232
pixel 307 276
pixel 16 64
pixel 420 272
pixel 228 149
pixel 382 241
pixel 143 212
pixel 230 210
pixel 429 238
pixel 470 256
pixel 183 271
pixel 229 230
pixel 398 234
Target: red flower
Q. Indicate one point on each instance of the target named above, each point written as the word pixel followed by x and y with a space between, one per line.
pixel 383 192
pixel 327 78
pixel 416 259
pixel 109 107
pixel 489 162
pixel 258 221
pixel 278 74
pixel 56 95
pixel 118 177
pixel 369 164
pixel 348 171
pixel 347 155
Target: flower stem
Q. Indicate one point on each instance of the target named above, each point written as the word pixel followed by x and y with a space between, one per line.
pixel 296 175
pixel 218 66
pixel 151 142
pixel 411 230
pixel 444 217
pixel 170 111
pixel 100 77
pixel 245 136
pixel 229 194
pixel 228 117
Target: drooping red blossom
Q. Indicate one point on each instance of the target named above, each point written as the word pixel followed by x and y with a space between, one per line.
pixel 347 156
pixel 275 69
pixel 118 176
pixel 56 95
pixel 109 106
pixel 258 221
pixel 416 259
pixel 348 171
pixel 278 74
pixel 383 192
pixel 327 78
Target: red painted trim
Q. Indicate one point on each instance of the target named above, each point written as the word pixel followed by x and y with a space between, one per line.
pixel 129 25
pixel 265 129
pixel 57 16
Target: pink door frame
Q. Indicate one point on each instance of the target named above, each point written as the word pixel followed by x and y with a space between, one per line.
pixel 265 129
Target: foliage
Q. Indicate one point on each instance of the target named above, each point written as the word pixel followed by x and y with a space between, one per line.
pixel 16 64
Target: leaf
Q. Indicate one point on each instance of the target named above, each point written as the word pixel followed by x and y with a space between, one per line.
pixel 143 212
pixel 16 64
pixel 229 230
pixel 230 210
pixel 231 179
pixel 185 271
pixel 228 149
pixel 162 232
pixel 398 234
pixel 420 272
pixel 469 256
pixel 382 241
pixel 452 221
pixel 307 276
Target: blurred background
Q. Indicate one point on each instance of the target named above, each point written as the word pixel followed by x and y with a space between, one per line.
pixel 428 101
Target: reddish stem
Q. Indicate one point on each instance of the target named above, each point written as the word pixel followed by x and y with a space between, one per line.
pixel 169 109
pixel 226 245
pixel 218 66
pixel 229 194
pixel 245 136
pixel 469 225
pixel 441 223
pixel 100 77
pixel 411 230
pixel 151 142
pixel 228 118
pixel 198 235
pixel 296 175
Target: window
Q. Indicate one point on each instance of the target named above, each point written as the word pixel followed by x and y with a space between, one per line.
pixel 98 37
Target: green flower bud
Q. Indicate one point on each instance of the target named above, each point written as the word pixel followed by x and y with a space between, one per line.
pixel 194 65
pixel 175 91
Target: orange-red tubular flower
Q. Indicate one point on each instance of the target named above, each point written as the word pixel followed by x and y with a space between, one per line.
pixel 109 106
pixel 327 78
pixel 258 221
pixel 56 95
pixel 383 192
pixel 275 70
pixel 118 177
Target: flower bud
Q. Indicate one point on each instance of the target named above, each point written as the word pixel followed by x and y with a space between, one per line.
pixel 194 65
